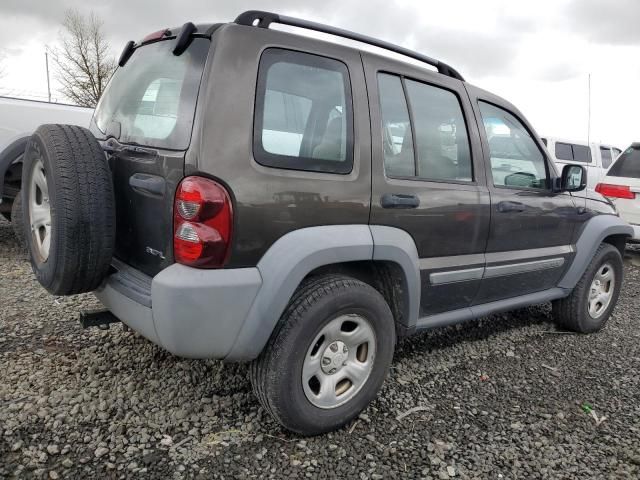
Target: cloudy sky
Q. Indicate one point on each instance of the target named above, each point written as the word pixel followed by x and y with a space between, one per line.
pixel 537 54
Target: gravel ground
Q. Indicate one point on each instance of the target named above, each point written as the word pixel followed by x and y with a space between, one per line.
pixel 504 397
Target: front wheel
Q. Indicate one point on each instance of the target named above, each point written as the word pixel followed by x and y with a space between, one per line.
pixel 593 299
pixel 328 356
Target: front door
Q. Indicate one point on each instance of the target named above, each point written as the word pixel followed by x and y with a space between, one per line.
pixel 532 226
pixel 428 177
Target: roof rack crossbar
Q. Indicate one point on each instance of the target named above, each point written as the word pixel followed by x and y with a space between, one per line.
pixel 262 19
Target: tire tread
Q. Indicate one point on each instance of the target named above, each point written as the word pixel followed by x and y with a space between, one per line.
pixel 567 312
pixel 84 210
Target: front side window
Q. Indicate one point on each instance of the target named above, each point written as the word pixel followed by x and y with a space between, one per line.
pixel 605 153
pixel 516 160
pixel 304 116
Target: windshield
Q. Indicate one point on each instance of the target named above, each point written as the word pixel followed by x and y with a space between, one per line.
pixel 627 164
pixel 152 99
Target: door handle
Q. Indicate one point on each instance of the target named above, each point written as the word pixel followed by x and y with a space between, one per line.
pixel 398 200
pixel 506 206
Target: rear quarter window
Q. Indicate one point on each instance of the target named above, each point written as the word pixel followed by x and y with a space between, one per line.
pixel 304 114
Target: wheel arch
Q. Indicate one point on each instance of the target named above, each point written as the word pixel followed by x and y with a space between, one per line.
pixel 600 229
pixel 330 249
pixel 9 157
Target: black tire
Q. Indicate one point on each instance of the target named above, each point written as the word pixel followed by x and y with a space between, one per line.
pixel 276 375
pixel 81 199
pixel 572 313
pixel 16 219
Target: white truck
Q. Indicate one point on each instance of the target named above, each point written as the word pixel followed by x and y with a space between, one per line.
pixel 596 157
pixel 18 120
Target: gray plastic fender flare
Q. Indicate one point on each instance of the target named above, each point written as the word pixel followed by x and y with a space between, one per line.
pixel 592 235
pixel 397 246
pixel 301 251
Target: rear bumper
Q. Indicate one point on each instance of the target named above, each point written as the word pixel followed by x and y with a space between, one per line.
pixel 190 312
pixel 636 232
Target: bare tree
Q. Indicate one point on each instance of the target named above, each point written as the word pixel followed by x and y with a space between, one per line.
pixel 84 64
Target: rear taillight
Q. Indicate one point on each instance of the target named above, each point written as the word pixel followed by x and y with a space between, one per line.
pixel 202 223
pixel 615 191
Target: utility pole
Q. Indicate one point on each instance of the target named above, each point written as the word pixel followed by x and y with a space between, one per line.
pixel 46 60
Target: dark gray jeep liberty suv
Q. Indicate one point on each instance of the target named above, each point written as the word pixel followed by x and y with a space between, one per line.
pixel 249 194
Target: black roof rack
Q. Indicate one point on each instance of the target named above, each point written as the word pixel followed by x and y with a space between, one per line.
pixel 261 19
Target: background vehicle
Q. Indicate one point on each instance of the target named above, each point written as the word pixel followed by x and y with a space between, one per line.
pixel 18 120
pixel 621 185
pixel 596 157
pixel 298 204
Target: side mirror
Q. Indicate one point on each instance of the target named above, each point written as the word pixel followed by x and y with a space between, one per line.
pixel 574 178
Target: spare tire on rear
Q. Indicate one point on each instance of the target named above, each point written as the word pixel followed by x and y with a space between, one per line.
pixel 68 209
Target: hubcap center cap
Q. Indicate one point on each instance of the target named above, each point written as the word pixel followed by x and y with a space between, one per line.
pixel 334 357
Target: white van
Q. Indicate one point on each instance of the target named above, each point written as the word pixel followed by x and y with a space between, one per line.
pixel 596 157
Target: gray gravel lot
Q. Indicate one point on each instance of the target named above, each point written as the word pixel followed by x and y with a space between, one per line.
pixel 504 397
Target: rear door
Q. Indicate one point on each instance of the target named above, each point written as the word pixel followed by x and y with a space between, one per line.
pixel 428 178
pixel 145 119
pixel 530 238
pixel 626 172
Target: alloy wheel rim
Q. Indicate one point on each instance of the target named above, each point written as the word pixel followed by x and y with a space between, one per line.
pixel 601 290
pixel 339 361
pixel 40 211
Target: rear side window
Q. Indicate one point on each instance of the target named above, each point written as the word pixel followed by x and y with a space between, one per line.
pixel 442 142
pixel 304 114
pixel 397 138
pixel 605 153
pixel 581 154
pixel 152 99
pixel 627 164
pixel 572 152
pixel 424 134
pixel 564 151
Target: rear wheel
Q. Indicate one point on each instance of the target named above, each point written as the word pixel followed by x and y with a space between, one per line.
pixel 593 299
pixel 69 210
pixel 328 356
